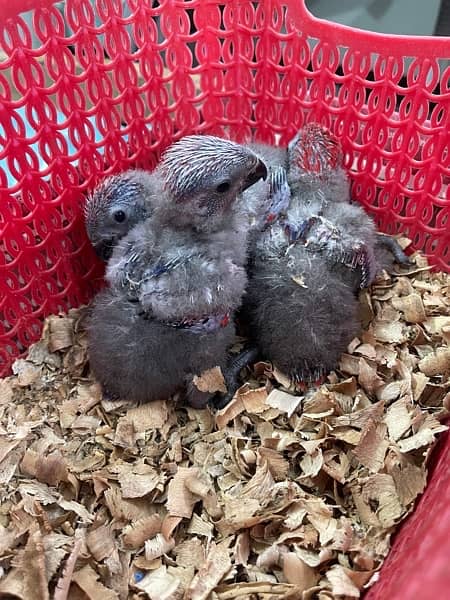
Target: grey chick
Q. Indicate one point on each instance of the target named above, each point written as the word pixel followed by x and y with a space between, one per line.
pixel 326 220
pixel 264 202
pixel 301 300
pixel 302 313
pixel 118 204
pixel 177 277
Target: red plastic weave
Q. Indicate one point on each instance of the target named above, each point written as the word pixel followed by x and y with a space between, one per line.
pixel 110 84
pixel 417 566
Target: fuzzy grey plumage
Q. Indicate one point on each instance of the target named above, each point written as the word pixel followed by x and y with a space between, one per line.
pixel 142 359
pixel 335 226
pixel 306 267
pixel 118 204
pixel 177 277
pixel 302 313
pixel 189 258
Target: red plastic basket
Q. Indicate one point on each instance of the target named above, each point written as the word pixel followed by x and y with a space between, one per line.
pixel 109 84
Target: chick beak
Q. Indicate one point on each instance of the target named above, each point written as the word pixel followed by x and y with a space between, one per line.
pixel 104 249
pixel 257 173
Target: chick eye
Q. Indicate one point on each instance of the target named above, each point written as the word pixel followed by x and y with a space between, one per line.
pixel 119 216
pixel 223 187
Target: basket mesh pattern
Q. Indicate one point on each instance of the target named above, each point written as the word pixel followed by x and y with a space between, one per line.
pixel 90 88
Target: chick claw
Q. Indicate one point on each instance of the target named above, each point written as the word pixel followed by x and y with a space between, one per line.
pixel 305 379
pixel 324 232
pixel 360 257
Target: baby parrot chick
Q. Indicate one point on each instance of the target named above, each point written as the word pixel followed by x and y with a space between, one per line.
pixel 177 276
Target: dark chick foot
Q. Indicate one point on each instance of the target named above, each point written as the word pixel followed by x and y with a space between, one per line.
pixel 238 362
pixel 280 195
pixel 231 376
pixel 195 398
pixel 221 400
pixel 394 247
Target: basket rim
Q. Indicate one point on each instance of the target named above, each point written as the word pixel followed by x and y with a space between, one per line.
pixel 414 46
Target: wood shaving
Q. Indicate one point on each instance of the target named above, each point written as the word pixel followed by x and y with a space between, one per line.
pixel 278 495
pixel 210 381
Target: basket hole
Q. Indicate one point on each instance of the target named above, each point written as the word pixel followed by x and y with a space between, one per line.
pixel 39 263
pixel 397 205
pixel 47 112
pixel 18 125
pixel 5 89
pixel 434 245
pixel 417 240
pixel 7 40
pixel 444 220
pixel 26 336
pixel 3 135
pixel 11 283
pixel 25 308
pixel 439 115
